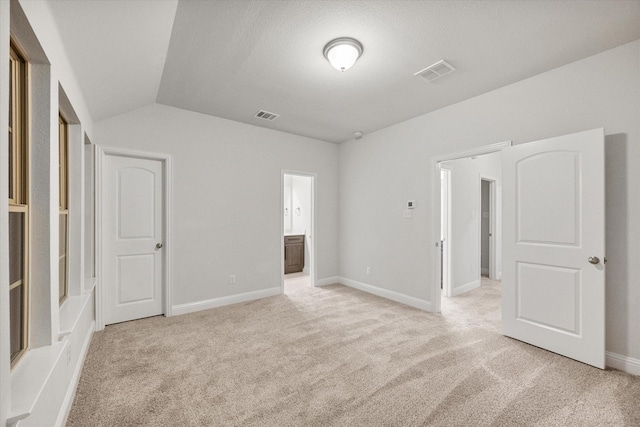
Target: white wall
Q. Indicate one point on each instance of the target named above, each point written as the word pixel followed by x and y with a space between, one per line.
pixel 227 195
pixel 384 169
pixel 46 31
pixel 43 381
pixel 466 216
pixel 5 352
pixel 287 218
pixel 301 204
pixel 297 202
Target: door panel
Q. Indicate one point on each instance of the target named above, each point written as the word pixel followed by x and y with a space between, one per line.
pixel 553 219
pixel 136 215
pixel 534 282
pixel 133 284
pixel 557 189
pixel 133 212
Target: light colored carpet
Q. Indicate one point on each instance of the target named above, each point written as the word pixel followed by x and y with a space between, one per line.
pixel 335 356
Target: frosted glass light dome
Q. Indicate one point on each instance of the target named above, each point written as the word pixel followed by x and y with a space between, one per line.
pixel 342 53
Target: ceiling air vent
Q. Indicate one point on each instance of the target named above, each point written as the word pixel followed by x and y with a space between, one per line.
pixel 435 71
pixel 265 115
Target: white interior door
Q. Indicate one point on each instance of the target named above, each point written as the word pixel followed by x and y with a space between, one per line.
pixel 554 245
pixel 133 220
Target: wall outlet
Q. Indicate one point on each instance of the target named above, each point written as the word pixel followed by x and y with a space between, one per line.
pixel 232 279
pixel 368 270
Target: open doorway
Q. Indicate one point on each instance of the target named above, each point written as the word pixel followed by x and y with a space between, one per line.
pixel 298 225
pixel 469 232
pixel 490 264
pixel 485 227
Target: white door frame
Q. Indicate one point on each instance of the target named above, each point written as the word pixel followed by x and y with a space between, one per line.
pixel 493 226
pixel 446 251
pixel 103 153
pixel 312 255
pixel 436 294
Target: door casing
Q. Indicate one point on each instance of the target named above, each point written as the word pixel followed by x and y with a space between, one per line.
pixel 165 159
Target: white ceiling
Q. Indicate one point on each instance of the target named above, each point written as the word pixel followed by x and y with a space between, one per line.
pixel 117 50
pixel 231 58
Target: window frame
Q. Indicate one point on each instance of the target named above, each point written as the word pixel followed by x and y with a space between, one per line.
pixel 63 183
pixel 18 139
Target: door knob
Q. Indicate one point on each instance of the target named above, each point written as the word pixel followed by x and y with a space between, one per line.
pixel 594 260
pixel 159 245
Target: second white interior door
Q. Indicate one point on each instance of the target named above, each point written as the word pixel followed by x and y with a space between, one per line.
pixel 133 218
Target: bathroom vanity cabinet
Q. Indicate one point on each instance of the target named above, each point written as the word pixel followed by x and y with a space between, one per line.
pixel 293 254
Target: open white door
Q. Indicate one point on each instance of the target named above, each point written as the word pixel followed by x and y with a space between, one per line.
pixel 554 245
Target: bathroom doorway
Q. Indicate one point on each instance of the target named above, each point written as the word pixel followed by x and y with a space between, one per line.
pixel 298 236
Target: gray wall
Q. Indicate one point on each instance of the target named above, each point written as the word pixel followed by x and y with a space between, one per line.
pixel 384 169
pixel 227 196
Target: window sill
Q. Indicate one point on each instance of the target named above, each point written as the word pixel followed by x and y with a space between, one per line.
pixel 70 312
pixel 29 378
pixel 90 284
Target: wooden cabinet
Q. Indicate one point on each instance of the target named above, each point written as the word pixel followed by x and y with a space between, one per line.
pixel 293 254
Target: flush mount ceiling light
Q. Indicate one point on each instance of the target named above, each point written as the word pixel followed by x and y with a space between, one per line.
pixel 343 52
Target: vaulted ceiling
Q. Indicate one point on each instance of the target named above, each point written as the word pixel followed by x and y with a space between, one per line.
pixel 232 58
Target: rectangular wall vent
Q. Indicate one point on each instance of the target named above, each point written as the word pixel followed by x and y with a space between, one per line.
pixel 435 71
pixel 265 115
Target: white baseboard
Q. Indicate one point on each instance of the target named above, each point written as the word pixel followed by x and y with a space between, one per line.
pixel 622 363
pixel 458 290
pixel 73 384
pixel 222 301
pixel 385 293
pixel 328 281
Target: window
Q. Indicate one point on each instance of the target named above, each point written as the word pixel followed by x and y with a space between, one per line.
pixel 18 207
pixel 63 162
